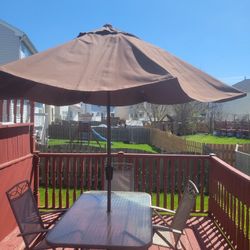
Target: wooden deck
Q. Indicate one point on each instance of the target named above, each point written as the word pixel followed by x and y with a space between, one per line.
pixel 201 233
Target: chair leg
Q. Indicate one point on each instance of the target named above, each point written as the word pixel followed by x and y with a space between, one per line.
pixel 179 245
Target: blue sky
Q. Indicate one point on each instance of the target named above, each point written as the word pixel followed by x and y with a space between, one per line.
pixel 213 35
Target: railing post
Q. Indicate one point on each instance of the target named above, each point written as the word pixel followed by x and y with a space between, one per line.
pixel 210 186
pixel 1 110
pixel 32 119
pixel 8 103
pixel 36 164
pixel 21 109
pixel 15 110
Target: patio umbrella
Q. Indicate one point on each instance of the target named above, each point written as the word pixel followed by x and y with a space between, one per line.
pixel 112 68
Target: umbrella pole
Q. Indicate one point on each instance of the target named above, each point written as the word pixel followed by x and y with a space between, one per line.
pixel 109 169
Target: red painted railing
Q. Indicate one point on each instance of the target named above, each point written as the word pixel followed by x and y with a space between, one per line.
pixel 229 201
pixel 15 165
pixel 16 141
pixel 65 175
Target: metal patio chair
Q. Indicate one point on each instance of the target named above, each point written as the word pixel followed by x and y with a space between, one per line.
pixel 123 175
pixel 32 228
pixel 168 235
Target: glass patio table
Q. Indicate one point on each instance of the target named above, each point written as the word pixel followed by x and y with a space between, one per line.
pixel 88 225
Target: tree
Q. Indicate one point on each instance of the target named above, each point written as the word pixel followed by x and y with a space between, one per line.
pixel 186 116
pixel 155 113
pixel 214 113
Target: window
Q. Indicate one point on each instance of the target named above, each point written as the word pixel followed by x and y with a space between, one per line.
pixel 24 51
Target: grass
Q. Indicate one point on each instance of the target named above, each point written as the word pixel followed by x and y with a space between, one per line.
pixel 154 199
pixel 119 145
pixel 42 199
pixel 211 139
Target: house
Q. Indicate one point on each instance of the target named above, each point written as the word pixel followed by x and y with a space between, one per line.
pixel 133 112
pixel 238 109
pixel 14 45
pixel 70 113
pixel 135 115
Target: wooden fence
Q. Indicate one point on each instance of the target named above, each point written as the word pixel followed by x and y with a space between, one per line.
pixel 129 134
pixel 245 148
pixel 165 141
pixel 226 152
pixel 170 143
pixel 242 161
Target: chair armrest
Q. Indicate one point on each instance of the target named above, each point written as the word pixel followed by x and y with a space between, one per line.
pixel 164 228
pixel 33 232
pixel 62 210
pixel 161 209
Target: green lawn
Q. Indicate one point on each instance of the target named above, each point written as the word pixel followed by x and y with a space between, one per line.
pixel 42 198
pixel 42 201
pixel 120 145
pixel 211 139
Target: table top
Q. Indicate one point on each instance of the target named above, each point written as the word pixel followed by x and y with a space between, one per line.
pixel 87 223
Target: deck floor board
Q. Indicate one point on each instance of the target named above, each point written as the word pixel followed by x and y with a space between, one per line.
pixel 201 233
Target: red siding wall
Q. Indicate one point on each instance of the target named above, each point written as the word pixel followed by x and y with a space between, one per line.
pixel 15 165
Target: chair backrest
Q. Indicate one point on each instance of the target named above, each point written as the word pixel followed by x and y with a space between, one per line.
pixel 185 207
pixel 25 210
pixel 123 175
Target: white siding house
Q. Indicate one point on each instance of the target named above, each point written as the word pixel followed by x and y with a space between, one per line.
pixel 14 45
pixel 239 108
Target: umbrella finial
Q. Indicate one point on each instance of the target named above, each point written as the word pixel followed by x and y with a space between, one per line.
pixel 108 26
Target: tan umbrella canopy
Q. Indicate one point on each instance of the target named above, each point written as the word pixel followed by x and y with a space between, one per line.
pixel 132 70
pixel 109 67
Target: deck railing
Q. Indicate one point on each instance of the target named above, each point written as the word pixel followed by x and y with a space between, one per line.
pixel 229 201
pixel 16 111
pixel 16 147
pixel 63 176
pixel 224 191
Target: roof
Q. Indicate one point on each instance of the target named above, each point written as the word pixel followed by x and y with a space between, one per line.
pixel 25 39
pixel 243 85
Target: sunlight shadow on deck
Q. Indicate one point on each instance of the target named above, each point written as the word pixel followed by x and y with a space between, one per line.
pixel 201 233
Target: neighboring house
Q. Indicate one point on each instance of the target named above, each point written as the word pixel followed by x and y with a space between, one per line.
pixel 122 112
pixel 131 113
pixel 70 113
pixel 86 108
pixel 99 113
pixel 240 108
pixel 14 45
pixel 77 112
